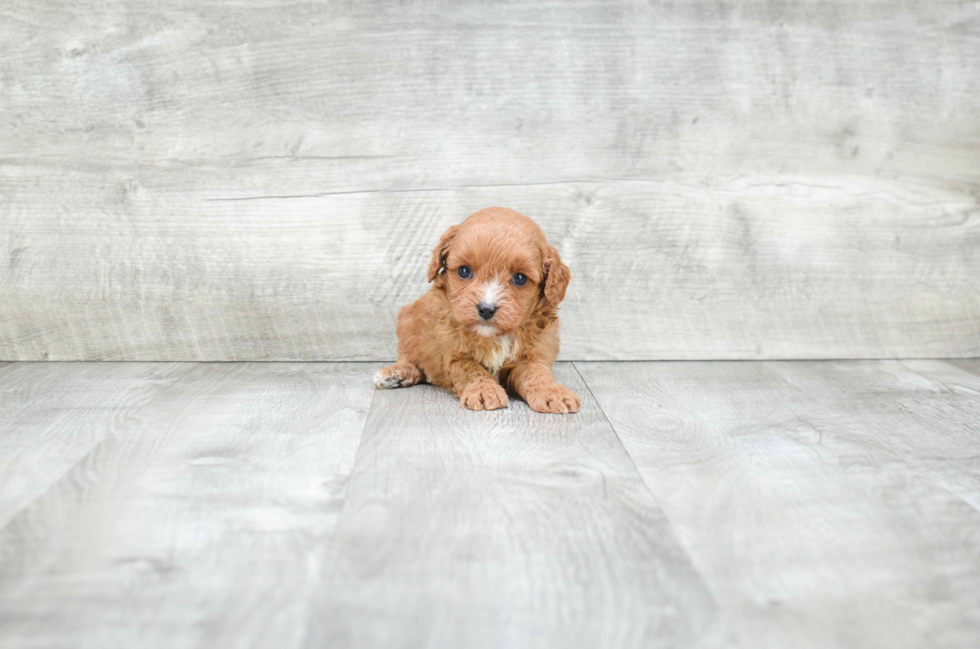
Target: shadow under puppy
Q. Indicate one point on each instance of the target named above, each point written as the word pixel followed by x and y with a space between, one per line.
pixel 490 319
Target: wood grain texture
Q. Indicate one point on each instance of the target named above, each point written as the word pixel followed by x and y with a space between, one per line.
pixel 926 411
pixel 200 524
pixel 503 529
pixel 223 181
pixel 971 365
pixel 53 414
pixel 812 525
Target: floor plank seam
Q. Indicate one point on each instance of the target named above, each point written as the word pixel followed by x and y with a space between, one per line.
pixel 915 465
pixel 669 525
pixel 620 440
pixel 122 425
pixel 331 545
pixel 243 486
pixel 931 379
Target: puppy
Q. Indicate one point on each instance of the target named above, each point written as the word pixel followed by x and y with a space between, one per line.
pixel 490 319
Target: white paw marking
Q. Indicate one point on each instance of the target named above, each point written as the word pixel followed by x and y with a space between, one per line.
pixel 386 382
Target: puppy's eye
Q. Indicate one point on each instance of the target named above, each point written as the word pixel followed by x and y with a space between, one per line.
pixel 520 279
pixel 465 272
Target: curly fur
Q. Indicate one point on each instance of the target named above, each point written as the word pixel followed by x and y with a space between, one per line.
pixel 443 339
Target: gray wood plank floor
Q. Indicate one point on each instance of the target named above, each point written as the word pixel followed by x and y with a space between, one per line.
pixel 711 504
pixel 52 415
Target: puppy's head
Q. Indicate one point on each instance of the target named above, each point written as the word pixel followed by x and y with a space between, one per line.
pixel 497 270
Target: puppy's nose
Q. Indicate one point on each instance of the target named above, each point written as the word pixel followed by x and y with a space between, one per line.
pixel 486 310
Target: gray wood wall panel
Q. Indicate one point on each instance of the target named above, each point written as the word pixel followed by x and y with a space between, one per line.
pixel 210 180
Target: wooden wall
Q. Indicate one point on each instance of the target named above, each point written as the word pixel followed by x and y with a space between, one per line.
pixel 202 179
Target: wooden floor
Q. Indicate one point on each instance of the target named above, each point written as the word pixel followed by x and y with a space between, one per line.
pixel 689 504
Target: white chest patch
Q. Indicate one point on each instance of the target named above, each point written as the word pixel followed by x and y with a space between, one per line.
pixel 505 350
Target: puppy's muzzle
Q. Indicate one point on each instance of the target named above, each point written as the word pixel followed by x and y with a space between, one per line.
pixel 485 310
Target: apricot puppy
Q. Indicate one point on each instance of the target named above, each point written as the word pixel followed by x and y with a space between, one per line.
pixel 490 319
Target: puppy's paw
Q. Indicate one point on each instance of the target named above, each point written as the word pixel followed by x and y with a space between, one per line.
pixel 483 395
pixel 555 399
pixel 399 375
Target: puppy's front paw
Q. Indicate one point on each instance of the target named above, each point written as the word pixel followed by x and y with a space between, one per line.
pixel 483 395
pixel 399 375
pixel 555 399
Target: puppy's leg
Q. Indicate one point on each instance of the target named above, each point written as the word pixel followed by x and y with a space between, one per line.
pixel 536 385
pixel 400 375
pixel 475 386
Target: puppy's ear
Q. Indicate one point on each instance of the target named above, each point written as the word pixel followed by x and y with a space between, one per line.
pixel 556 276
pixel 437 267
